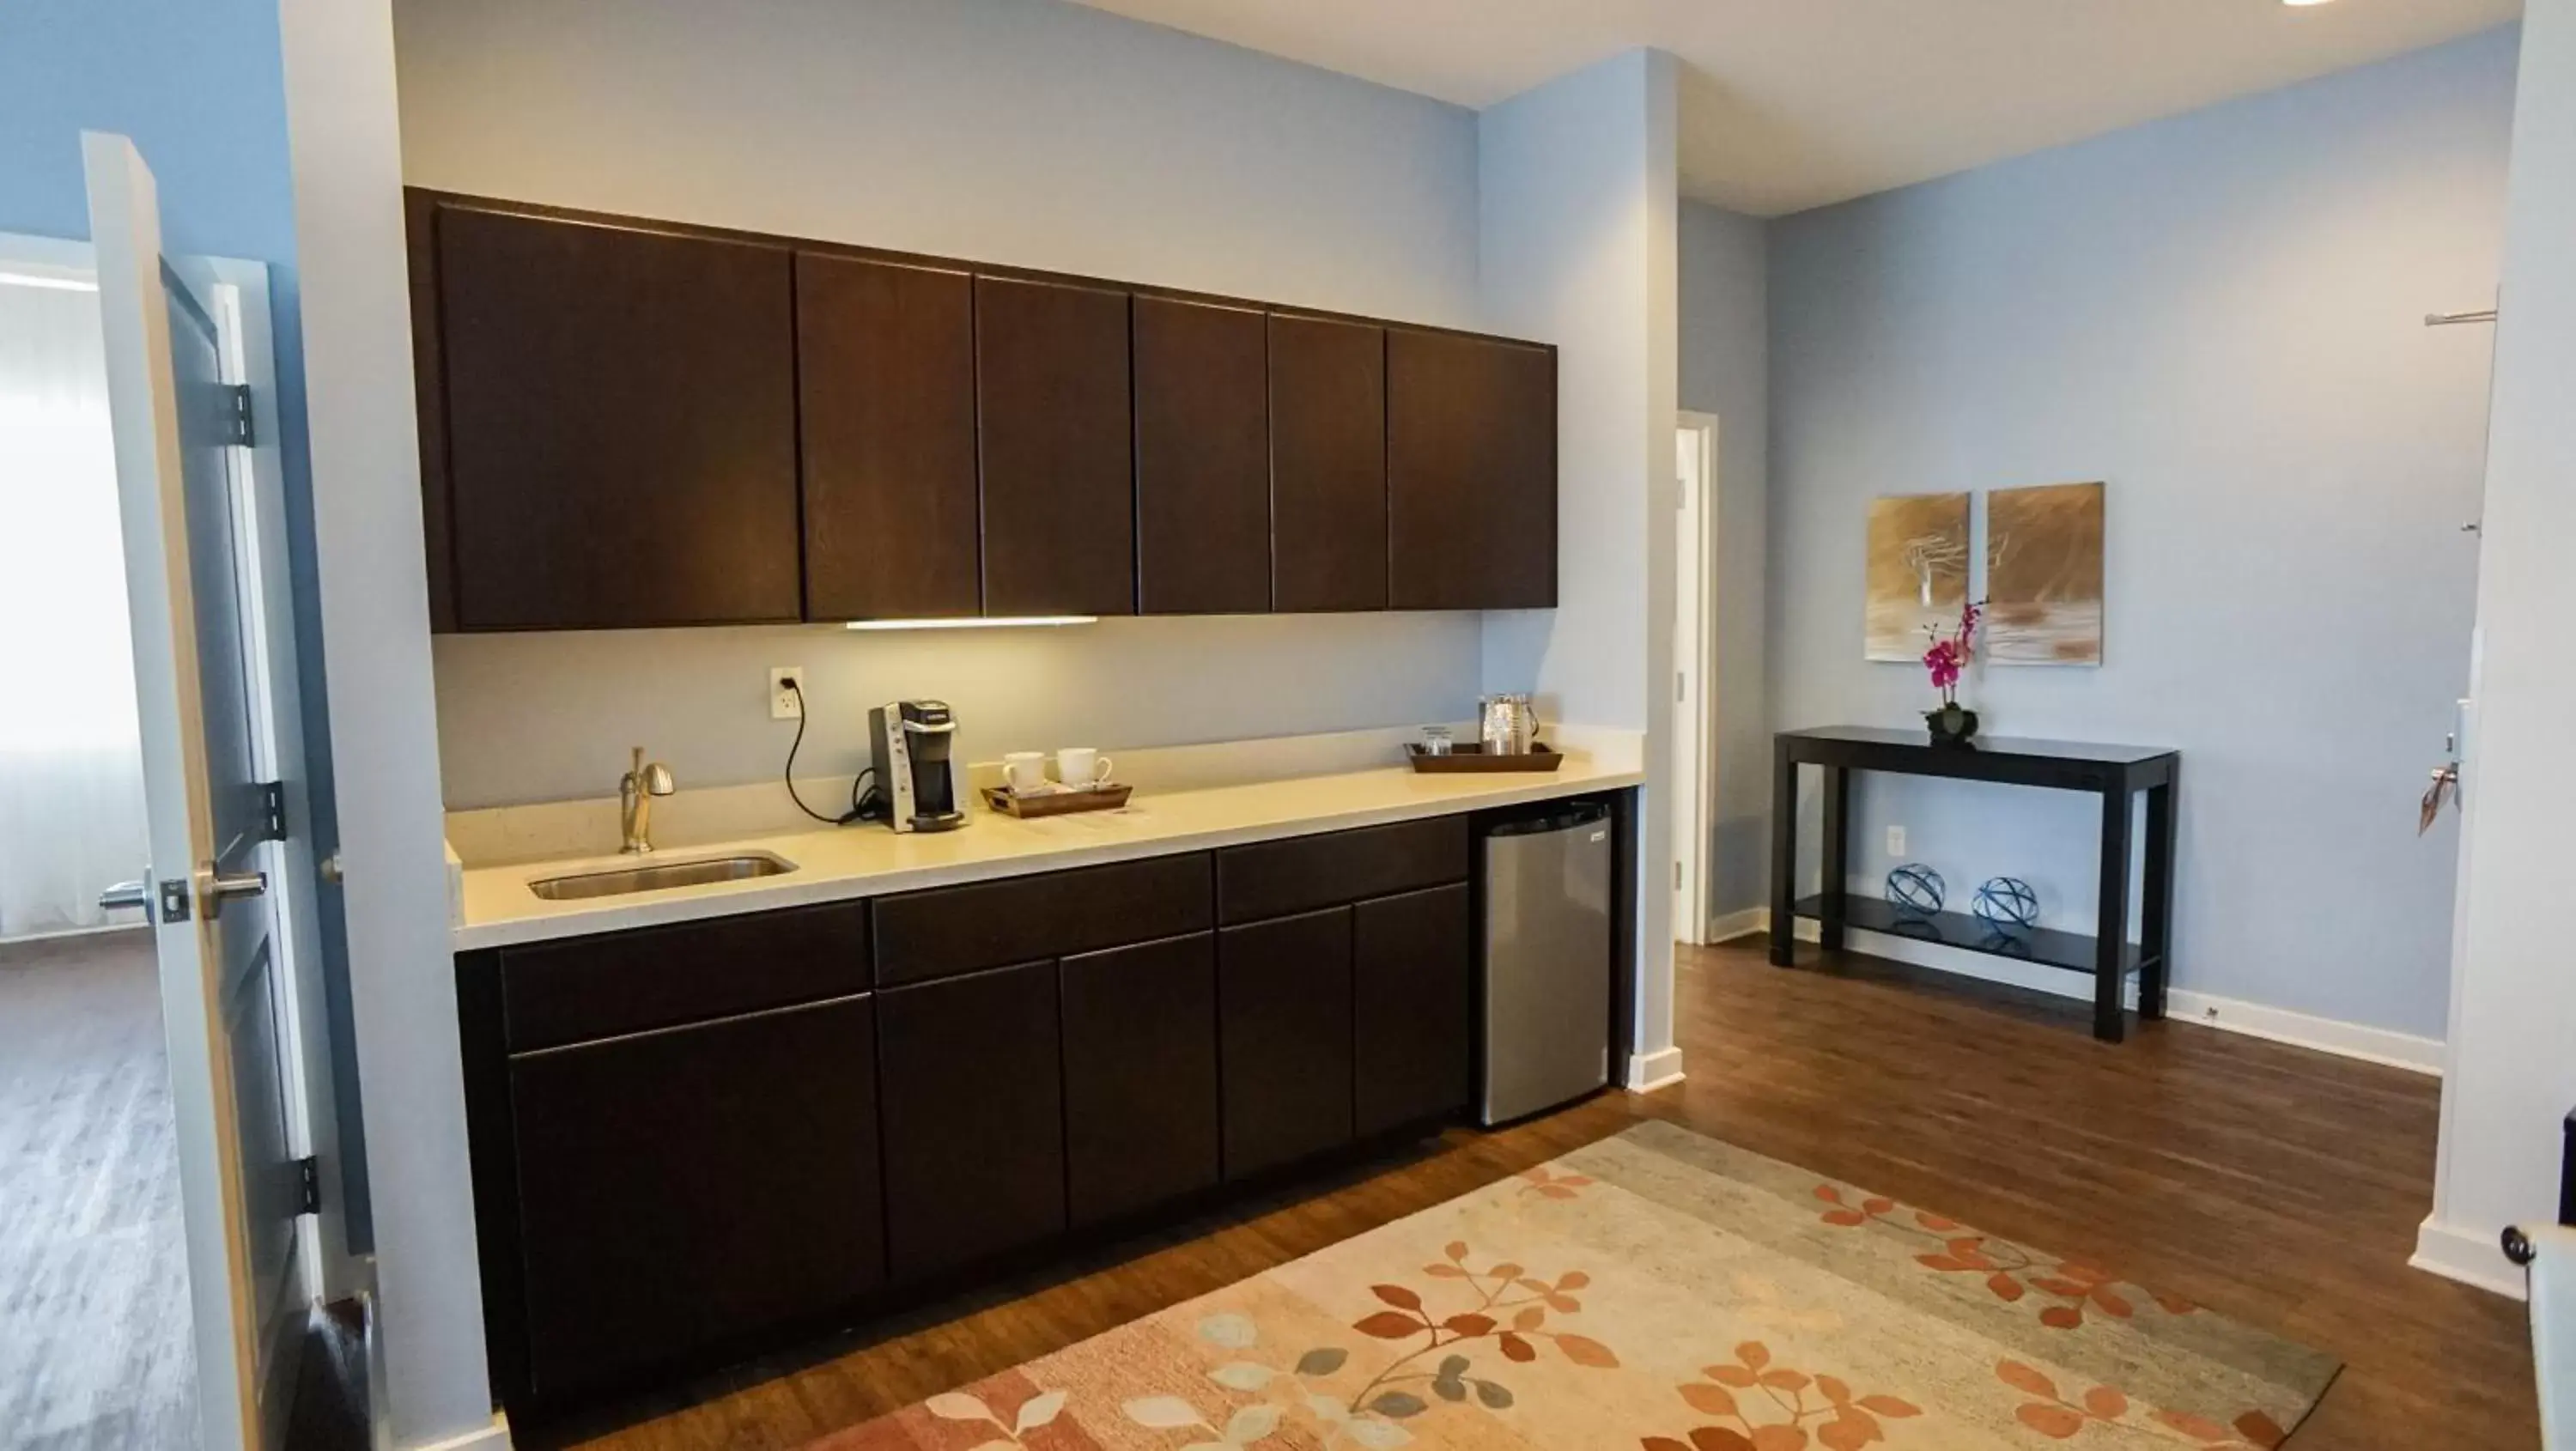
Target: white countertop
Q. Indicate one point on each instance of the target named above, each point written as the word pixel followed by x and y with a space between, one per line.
pixel 839 863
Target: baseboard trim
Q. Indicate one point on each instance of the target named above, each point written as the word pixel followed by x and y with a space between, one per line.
pixel 2470 1258
pixel 1648 1072
pixel 2305 1030
pixel 494 1437
pixel 1732 925
pixel 2229 1015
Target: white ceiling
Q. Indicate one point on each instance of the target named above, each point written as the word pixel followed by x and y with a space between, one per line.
pixel 1789 104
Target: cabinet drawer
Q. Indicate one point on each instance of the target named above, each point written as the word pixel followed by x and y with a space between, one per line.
pixel 1277 878
pixel 950 930
pixel 625 982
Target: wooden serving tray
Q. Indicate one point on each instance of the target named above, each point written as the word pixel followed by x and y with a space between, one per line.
pixel 1060 803
pixel 1470 756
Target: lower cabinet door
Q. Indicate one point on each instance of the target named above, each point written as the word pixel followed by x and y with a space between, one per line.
pixel 1284 1038
pixel 1140 1077
pixel 974 1117
pixel 685 1187
pixel 1411 979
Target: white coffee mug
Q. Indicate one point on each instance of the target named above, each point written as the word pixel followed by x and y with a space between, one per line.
pixel 1024 771
pixel 1080 766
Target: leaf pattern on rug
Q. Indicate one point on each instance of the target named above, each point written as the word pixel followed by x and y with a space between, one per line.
pixel 2011 1272
pixel 1771 1409
pixel 1037 1411
pixel 2054 1415
pixel 1553 1186
pixel 1510 1309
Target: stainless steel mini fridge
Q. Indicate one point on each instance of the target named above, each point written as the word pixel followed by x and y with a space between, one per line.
pixel 1546 988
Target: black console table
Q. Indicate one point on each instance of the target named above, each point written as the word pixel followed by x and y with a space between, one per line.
pixel 2112 773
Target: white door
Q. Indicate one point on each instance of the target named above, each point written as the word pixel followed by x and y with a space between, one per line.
pixel 199 674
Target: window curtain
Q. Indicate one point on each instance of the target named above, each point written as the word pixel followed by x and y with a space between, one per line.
pixel 71 777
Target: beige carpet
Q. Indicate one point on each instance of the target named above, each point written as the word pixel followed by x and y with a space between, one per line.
pixel 1658 1290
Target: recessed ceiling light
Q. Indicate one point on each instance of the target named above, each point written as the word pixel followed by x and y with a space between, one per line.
pixel 2303 4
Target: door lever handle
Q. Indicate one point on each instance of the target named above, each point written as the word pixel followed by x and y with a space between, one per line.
pixel 132 896
pixel 221 887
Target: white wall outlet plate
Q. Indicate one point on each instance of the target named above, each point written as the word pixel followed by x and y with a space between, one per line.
pixel 1896 841
pixel 785 703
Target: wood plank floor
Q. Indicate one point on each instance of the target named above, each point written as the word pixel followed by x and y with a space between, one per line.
pixel 94 1345
pixel 2275 1185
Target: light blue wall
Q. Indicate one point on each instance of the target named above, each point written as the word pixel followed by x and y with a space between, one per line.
pixel 200 88
pixel 2219 314
pixel 1726 371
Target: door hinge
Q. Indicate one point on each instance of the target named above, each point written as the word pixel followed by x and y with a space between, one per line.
pixel 308 1176
pixel 272 810
pixel 1677 876
pixel 237 414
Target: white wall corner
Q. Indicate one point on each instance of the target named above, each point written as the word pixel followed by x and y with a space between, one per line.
pixel 1648 1072
pixel 2468 1257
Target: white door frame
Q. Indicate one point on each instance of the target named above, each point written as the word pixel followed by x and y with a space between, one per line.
pixel 1693 732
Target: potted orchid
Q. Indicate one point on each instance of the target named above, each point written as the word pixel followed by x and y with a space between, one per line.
pixel 1953 724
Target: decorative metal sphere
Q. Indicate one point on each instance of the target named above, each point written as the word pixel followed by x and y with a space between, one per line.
pixel 2006 902
pixel 1914 890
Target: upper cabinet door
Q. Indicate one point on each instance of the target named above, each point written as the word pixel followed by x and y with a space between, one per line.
pixel 620 425
pixel 1471 472
pixel 1202 459
pixel 886 383
pixel 1327 464
pixel 1059 505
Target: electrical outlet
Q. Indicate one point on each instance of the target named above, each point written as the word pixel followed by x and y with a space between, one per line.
pixel 786 702
pixel 1896 841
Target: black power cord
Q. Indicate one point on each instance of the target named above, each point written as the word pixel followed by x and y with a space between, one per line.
pixel 868 805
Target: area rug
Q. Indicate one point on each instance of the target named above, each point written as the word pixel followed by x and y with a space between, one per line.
pixel 1657 1290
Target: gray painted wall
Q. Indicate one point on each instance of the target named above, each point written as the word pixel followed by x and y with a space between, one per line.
pixel 1013 131
pixel 2219 314
pixel 1726 371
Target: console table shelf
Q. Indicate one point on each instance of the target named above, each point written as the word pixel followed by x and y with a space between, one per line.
pixel 2112 774
pixel 2045 946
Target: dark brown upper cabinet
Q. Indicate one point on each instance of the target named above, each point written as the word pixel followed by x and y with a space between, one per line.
pixel 635 423
pixel 1471 472
pixel 618 416
pixel 1053 417
pixel 1327 464
pixel 1202 459
pixel 886 391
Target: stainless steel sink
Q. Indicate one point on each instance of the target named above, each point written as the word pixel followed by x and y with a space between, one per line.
pixel 654 876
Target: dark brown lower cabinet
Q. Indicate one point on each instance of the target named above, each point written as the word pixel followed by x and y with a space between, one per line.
pixel 1140 1076
pixel 1284 1038
pixel 1412 998
pixel 973 1120
pixel 688 1186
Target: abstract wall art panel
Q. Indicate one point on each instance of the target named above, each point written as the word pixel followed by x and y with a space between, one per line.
pixel 1918 570
pixel 2044 575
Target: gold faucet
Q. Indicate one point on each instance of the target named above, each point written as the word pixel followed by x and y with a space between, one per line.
pixel 635 792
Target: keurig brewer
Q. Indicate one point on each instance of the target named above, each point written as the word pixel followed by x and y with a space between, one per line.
pixel 914 765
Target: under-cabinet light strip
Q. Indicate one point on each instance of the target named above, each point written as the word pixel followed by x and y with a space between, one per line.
pixel 978 622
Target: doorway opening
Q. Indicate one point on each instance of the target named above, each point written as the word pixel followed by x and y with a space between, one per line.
pixel 93 1255
pixel 1694 733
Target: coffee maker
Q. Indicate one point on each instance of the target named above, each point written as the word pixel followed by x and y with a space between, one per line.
pixel 915 766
